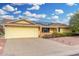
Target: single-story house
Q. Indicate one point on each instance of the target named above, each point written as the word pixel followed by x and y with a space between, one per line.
pixel 28 29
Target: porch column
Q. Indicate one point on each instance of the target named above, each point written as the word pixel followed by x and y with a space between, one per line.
pixel 40 31
pixel 58 29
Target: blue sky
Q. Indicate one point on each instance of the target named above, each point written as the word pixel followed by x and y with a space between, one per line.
pixel 45 12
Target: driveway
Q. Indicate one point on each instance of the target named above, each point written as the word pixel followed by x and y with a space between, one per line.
pixel 37 47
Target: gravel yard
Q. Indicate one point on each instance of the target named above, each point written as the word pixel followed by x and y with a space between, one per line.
pixel 67 40
pixel 2 45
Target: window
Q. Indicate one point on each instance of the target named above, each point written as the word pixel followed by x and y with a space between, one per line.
pixel 58 29
pixel 45 29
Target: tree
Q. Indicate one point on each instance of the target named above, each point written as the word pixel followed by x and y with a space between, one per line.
pixel 74 23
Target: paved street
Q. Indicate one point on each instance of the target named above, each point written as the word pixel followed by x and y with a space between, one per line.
pixel 38 47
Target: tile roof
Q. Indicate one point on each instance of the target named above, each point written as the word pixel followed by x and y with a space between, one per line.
pixel 34 23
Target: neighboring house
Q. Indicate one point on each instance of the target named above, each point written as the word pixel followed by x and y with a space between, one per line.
pixel 29 29
pixel 1 30
pixel 1 26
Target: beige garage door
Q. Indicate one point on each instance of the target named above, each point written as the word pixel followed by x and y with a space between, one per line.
pixel 21 32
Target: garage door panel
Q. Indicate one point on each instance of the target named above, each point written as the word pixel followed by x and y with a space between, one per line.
pixel 21 32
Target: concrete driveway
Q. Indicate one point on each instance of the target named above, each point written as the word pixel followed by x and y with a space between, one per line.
pixel 37 47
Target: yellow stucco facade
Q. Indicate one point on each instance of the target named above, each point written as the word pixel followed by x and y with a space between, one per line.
pixel 63 30
pixel 54 30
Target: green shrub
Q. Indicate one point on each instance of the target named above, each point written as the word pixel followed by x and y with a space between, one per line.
pixel 62 34
pixel 55 34
pixel 1 33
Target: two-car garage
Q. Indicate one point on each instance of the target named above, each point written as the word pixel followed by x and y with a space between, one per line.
pixel 21 32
